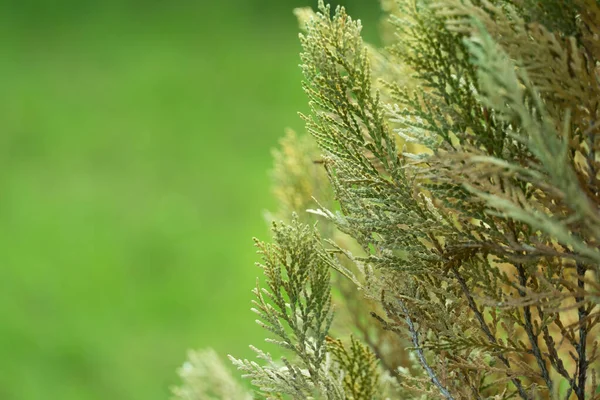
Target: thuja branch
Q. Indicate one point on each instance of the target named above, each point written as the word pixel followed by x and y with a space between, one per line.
pixel 533 338
pixel 555 360
pixel 583 312
pixel 485 328
pixel 467 138
pixel 421 356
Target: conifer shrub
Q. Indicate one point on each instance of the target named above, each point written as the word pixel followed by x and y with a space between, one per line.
pixel 441 221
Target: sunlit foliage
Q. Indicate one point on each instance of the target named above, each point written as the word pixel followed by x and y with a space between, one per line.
pixel 463 235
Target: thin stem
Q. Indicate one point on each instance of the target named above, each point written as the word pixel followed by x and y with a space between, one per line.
pixel 533 338
pixel 555 359
pixel 415 340
pixel 582 361
pixel 486 330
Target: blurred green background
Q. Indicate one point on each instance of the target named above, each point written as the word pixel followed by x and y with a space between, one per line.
pixel 134 150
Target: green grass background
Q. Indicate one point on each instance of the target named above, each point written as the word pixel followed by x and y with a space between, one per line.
pixel 134 150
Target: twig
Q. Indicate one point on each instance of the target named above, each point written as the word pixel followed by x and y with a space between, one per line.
pixel 533 338
pixel 582 362
pixel 555 359
pixel 486 330
pixel 415 340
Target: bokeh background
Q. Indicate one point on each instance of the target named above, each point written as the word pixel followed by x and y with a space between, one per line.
pixel 135 143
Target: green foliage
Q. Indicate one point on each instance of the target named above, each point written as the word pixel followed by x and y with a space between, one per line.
pixel 464 162
pixel 360 367
pixel 297 309
pixel 205 377
pixel 298 177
